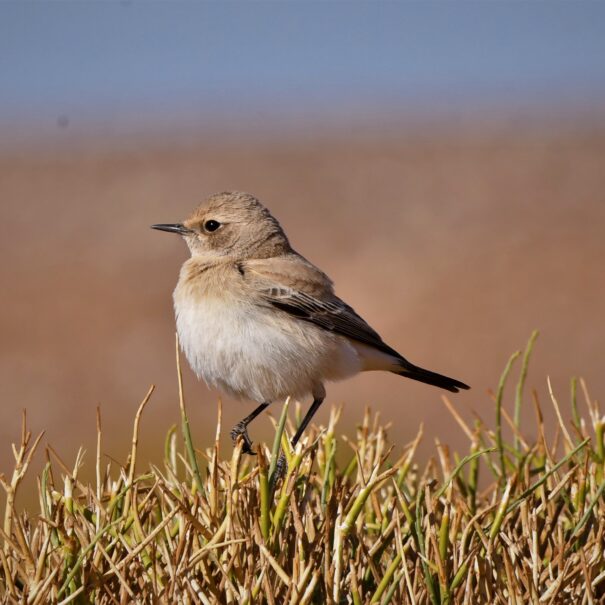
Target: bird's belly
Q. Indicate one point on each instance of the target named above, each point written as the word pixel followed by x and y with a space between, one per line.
pixel 259 353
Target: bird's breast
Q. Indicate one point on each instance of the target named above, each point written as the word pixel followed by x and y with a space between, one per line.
pixel 254 351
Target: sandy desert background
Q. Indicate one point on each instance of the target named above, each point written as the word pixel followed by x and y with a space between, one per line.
pixel 444 164
pixel 454 243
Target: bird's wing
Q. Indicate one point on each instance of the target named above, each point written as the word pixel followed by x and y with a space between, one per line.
pixel 295 286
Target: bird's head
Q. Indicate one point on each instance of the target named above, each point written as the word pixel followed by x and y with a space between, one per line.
pixel 231 224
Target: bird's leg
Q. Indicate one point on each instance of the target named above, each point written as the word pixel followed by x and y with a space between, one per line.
pixel 305 422
pixel 241 428
pixel 282 466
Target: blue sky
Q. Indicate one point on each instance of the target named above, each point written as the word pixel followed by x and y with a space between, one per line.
pixel 111 63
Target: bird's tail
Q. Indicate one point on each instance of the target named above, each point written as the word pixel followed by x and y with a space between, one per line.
pixel 409 370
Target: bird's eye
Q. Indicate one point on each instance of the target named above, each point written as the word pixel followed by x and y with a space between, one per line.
pixel 211 226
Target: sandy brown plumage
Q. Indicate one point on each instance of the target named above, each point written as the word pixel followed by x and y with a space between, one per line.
pixel 258 320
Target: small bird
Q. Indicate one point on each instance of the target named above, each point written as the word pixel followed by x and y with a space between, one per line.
pixel 259 321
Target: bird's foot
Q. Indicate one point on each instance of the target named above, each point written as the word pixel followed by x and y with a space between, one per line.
pixel 279 472
pixel 241 429
pixel 281 467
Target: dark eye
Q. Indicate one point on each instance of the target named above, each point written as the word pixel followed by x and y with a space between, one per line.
pixel 211 226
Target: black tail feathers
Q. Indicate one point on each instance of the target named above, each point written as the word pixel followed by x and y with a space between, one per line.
pixel 409 370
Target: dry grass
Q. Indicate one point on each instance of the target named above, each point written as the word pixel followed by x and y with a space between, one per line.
pixel 378 527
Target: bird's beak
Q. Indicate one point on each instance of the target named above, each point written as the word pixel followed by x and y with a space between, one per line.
pixel 176 228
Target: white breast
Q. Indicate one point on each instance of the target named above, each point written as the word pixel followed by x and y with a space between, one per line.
pixel 259 353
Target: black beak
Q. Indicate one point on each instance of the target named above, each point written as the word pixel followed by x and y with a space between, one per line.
pixel 177 228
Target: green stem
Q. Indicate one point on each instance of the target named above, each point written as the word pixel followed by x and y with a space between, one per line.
pixel 521 384
pixel 499 396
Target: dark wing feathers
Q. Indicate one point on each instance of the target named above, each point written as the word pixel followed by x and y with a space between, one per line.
pixel 329 312
pixel 333 315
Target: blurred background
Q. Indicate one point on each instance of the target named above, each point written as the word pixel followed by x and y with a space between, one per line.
pixel 444 163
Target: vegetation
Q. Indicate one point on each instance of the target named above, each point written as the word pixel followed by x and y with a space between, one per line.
pixel 514 520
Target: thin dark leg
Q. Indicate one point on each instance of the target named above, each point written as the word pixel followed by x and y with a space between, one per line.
pixel 281 462
pixel 303 425
pixel 241 428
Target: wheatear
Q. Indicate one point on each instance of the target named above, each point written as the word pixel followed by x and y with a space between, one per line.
pixel 259 321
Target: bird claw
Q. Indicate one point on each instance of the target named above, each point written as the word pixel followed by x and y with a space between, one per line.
pixel 241 430
pixel 281 467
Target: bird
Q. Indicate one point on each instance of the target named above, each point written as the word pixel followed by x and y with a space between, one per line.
pixel 258 321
